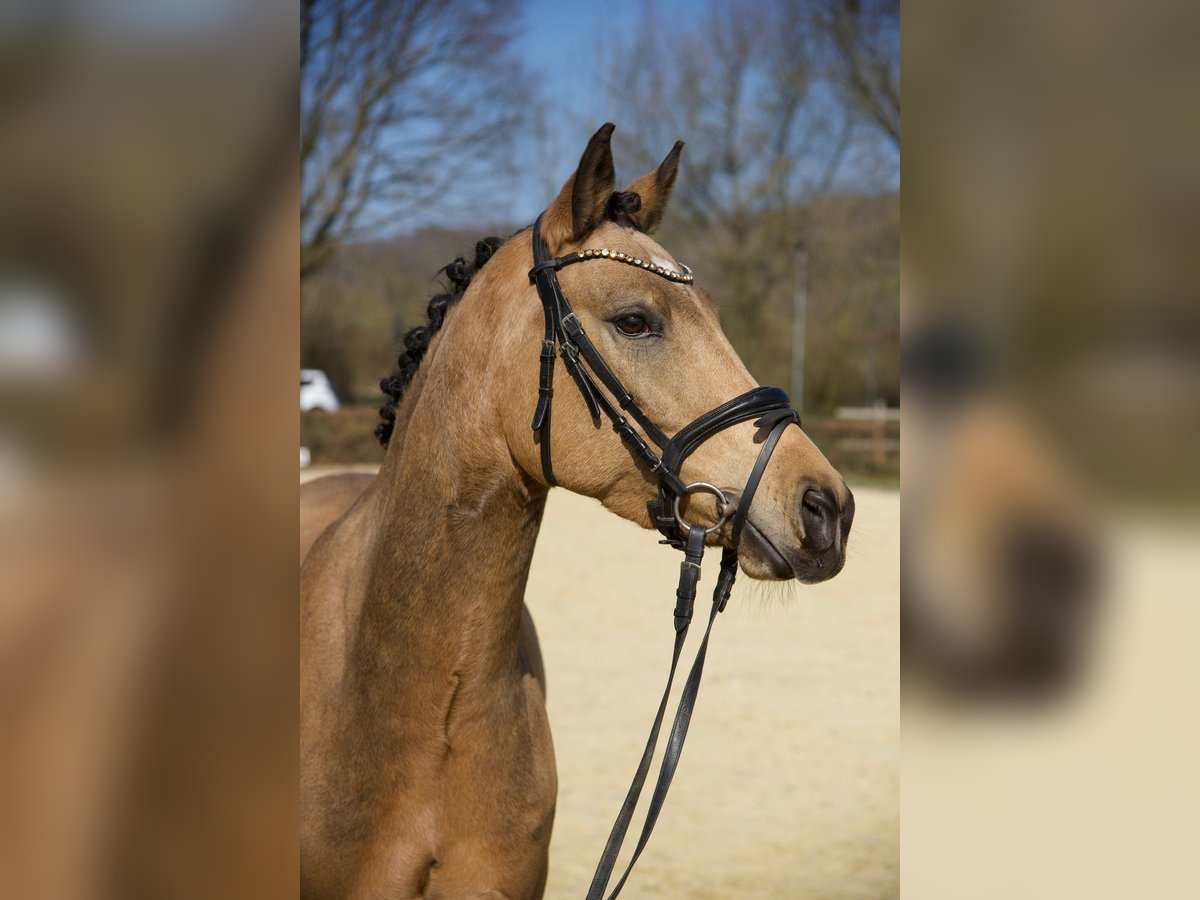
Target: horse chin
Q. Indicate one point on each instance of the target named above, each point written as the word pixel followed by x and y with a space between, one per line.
pixel 771 560
pixel 760 558
pixel 818 569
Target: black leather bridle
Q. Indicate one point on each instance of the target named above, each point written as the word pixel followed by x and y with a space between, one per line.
pixel 768 406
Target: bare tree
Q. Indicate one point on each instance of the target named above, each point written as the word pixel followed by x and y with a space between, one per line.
pixel 399 100
pixel 742 86
pixel 739 84
pixel 864 56
pixel 756 89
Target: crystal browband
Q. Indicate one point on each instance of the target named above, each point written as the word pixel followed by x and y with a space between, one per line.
pixel 684 277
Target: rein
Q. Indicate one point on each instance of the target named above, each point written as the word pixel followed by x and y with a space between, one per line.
pixel 768 406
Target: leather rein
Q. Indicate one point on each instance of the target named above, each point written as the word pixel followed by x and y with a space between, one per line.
pixel 768 406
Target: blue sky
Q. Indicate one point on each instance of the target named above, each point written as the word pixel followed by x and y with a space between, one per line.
pixel 563 43
pixel 560 42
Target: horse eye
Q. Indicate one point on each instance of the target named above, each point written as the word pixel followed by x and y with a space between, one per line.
pixel 632 324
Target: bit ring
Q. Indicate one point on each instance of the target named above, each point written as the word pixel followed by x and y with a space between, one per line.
pixel 704 486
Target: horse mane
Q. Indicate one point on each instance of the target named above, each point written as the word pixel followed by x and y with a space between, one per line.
pixel 416 340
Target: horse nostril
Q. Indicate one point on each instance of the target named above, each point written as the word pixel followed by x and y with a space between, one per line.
pixel 819 502
pixel 819 513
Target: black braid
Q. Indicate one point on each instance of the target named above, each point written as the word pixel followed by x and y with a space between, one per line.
pixel 459 274
pixel 621 205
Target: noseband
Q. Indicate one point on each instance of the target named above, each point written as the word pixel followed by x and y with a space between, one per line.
pixel 768 406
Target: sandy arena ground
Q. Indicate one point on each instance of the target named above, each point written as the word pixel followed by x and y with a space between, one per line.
pixel 789 783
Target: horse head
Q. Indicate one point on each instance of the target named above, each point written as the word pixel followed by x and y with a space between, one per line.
pixel 659 332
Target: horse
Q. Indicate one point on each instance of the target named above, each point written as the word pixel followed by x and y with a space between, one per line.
pixel 427 767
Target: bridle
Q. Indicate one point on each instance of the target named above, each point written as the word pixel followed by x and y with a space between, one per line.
pixel 768 406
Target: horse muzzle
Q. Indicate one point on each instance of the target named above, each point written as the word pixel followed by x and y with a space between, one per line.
pixel 808 545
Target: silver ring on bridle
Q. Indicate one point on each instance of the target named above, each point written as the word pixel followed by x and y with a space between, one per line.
pixel 723 502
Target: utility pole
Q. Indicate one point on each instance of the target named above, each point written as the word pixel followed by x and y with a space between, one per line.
pixel 799 321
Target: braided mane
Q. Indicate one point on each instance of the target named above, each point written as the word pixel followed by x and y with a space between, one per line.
pixel 416 341
pixel 621 206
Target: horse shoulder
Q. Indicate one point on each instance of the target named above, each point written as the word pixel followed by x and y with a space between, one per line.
pixel 333 539
pixel 325 500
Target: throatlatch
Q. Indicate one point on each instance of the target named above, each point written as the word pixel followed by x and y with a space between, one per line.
pixel 768 406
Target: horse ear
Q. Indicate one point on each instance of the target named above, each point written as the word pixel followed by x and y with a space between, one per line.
pixel 655 190
pixel 581 202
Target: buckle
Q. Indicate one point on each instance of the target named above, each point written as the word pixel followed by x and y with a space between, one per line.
pixel 571 324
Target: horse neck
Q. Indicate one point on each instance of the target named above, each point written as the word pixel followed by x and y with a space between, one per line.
pixel 456 522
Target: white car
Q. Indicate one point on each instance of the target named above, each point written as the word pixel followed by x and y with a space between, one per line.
pixel 316 392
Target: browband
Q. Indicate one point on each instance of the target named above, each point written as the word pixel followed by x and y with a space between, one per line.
pixel 556 263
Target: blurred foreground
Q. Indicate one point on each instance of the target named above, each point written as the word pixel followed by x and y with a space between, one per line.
pixel 148 339
pixel 1051 366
